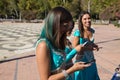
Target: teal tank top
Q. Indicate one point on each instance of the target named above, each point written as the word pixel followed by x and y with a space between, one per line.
pixel 59 58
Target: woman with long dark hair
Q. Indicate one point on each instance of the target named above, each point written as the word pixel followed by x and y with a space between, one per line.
pixel 85 36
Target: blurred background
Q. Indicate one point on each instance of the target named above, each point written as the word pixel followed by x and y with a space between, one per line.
pixel 21 22
pixel 36 10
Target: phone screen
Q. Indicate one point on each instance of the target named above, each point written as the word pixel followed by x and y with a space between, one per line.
pixel 85 43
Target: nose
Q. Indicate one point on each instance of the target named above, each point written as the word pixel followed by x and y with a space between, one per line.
pixel 88 20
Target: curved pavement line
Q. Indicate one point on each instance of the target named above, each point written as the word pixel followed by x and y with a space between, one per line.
pixel 17 58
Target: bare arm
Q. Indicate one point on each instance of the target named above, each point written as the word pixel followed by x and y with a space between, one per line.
pixel 43 60
pixel 75 41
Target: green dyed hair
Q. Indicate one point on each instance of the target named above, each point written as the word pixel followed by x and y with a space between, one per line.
pixel 53 25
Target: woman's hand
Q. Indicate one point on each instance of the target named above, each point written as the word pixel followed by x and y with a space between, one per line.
pixel 96 47
pixel 91 46
pixel 80 66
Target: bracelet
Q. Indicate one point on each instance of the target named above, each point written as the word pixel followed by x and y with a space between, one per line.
pixel 65 73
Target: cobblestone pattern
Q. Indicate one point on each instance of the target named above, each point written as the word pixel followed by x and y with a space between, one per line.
pixel 20 37
pixel 16 38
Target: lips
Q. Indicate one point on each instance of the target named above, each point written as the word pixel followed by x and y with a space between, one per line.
pixel 87 24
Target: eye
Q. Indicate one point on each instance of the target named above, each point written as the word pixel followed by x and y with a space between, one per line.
pixel 84 18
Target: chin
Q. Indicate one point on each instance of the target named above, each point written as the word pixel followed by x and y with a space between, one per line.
pixel 88 26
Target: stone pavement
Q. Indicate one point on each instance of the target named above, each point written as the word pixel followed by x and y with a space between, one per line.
pixel 108 58
pixel 17 48
pixel 17 38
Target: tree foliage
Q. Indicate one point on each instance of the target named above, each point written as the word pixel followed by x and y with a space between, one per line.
pixel 111 12
pixel 105 9
pixel 4 8
pixel 74 7
pixel 38 9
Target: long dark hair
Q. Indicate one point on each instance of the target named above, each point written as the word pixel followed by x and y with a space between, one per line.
pixel 53 24
pixel 80 25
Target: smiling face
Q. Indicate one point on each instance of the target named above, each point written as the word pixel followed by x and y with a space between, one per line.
pixel 86 21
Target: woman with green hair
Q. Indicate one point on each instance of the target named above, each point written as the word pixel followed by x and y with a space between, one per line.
pixel 51 53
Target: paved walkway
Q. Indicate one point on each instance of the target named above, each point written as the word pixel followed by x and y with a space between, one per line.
pixel 108 58
pixel 25 68
pixel 17 38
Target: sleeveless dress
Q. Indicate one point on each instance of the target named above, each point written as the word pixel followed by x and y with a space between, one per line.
pixel 58 59
pixel 89 73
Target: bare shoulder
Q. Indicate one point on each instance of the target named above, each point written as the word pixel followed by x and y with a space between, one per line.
pixel 42 45
pixel 75 41
pixel 42 48
pixel 76 38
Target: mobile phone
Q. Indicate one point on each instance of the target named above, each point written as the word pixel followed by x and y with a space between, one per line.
pixel 85 43
pixel 91 61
